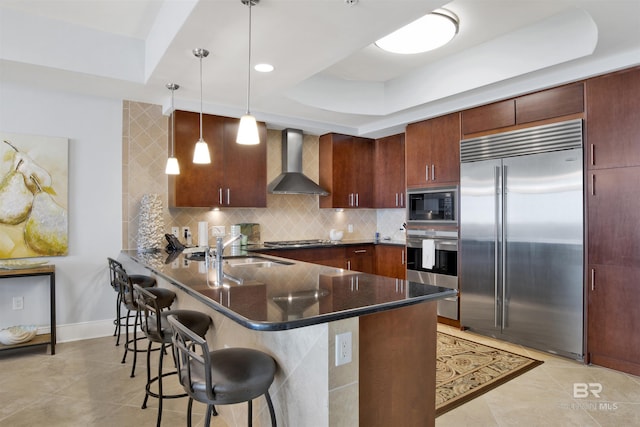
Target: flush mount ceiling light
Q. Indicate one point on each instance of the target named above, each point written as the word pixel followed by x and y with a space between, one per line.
pixel 248 129
pixel 201 152
pixel 172 168
pixel 427 33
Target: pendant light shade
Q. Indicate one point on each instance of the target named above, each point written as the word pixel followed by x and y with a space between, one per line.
pixel 201 152
pixel 248 129
pixel 172 168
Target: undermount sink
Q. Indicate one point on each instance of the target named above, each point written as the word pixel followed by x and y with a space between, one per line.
pixel 253 261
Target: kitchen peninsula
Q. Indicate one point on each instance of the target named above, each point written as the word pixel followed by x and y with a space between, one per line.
pixel 294 311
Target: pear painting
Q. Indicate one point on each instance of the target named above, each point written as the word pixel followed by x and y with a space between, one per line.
pixel 33 196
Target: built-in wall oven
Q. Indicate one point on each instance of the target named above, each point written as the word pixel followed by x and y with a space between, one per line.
pixel 432 258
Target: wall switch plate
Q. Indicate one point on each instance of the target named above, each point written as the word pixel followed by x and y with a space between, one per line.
pixel 217 230
pixel 175 231
pixel 344 348
pixel 186 235
pixel 18 303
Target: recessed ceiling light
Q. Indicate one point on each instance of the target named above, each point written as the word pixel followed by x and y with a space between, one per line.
pixel 263 68
pixel 427 33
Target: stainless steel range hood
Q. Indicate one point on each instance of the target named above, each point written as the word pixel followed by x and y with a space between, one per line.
pixel 292 180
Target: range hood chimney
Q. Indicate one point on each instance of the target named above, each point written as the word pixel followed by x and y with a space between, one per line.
pixel 292 180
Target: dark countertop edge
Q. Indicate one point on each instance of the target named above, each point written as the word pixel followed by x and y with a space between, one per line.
pixel 341 243
pixel 293 324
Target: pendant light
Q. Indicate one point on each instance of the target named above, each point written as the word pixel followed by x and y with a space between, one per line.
pixel 248 129
pixel 201 152
pixel 172 168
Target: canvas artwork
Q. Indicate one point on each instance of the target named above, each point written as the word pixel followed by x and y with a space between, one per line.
pixel 33 196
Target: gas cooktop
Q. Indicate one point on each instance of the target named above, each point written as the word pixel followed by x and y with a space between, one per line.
pixel 297 243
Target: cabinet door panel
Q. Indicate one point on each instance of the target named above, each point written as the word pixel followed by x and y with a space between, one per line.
pixel 245 168
pixel 388 178
pixel 493 116
pixel 613 317
pixel 445 150
pixel 613 128
pixel 197 185
pixel 613 209
pixel 362 172
pixel 418 153
pixel 391 261
pixel 556 102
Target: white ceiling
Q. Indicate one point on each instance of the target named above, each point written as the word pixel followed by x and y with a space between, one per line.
pixel 328 76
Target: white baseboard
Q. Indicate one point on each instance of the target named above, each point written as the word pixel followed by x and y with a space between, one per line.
pixel 83 331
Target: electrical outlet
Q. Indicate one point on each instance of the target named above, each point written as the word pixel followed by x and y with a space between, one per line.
pixel 18 303
pixel 217 230
pixel 343 348
pixel 350 228
pixel 175 231
pixel 186 235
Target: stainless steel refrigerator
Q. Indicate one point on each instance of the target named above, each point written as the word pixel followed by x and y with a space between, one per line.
pixel 521 237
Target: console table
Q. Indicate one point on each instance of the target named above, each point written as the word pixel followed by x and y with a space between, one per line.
pixel 44 270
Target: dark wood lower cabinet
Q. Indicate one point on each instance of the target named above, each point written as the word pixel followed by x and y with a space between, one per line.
pixel 614 317
pixel 614 268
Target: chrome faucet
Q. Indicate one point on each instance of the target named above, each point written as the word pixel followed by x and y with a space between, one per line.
pixel 221 245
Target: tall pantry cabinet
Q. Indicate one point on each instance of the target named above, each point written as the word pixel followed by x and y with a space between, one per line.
pixel 612 146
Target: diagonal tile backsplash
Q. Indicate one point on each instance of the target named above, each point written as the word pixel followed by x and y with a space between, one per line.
pixel 287 217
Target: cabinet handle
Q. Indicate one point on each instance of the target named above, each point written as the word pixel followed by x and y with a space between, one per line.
pixel 357 199
pixel 349 264
pixel 402 257
pixel 593 184
pixel 396 199
pixel 220 194
pixel 426 172
pixel 401 200
pixel 228 196
pixel 593 155
pixel 593 279
pixel 360 251
pixel 433 172
pixel 350 199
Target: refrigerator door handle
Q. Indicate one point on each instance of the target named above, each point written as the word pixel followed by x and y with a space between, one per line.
pixel 496 252
pixel 504 244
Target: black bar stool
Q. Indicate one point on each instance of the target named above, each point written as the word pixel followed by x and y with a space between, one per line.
pixel 220 377
pixel 165 298
pixel 139 279
pixel 157 329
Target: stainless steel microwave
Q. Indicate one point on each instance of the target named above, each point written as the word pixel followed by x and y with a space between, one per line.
pixel 433 206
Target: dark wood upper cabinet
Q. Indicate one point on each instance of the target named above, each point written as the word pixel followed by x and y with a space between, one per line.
pixel 613 120
pixel 556 102
pixel 389 177
pixel 236 176
pixel 492 116
pixel 346 171
pixel 433 152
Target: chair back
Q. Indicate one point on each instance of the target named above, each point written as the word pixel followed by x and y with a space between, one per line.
pixel 125 284
pixel 192 358
pixel 113 264
pixel 147 303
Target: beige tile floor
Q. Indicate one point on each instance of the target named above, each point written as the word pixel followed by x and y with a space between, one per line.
pixel 85 384
pixel 544 395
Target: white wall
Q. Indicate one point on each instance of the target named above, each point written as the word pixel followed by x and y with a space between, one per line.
pixel 85 302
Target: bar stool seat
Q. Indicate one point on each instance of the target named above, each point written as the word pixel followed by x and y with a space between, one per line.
pixel 156 327
pixel 139 279
pixel 220 377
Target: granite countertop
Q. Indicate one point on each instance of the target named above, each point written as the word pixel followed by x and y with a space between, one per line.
pixel 285 294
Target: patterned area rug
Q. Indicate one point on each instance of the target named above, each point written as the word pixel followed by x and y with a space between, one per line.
pixel 465 370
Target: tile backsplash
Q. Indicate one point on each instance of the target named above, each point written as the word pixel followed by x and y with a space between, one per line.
pixel 286 217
